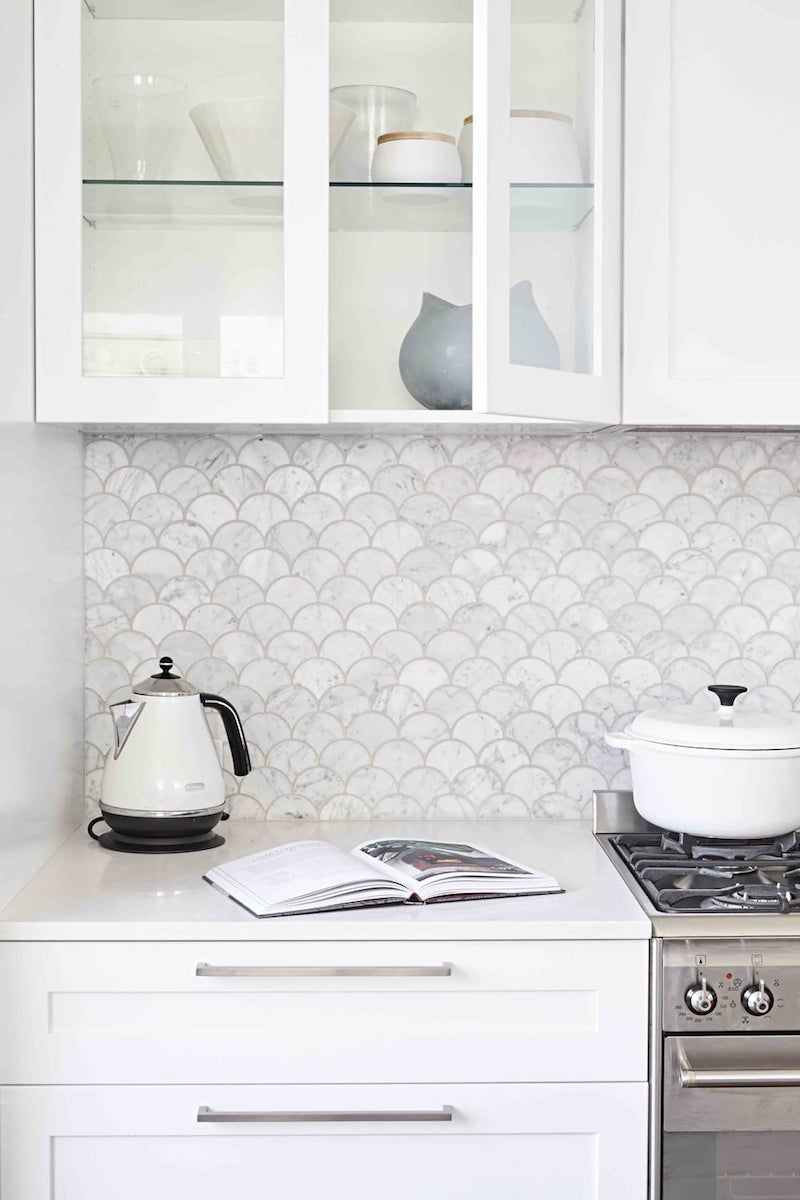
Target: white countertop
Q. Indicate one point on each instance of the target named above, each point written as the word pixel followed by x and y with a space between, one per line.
pixel 87 892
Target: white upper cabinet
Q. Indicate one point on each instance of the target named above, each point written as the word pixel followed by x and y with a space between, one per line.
pixel 172 288
pixel 712 240
pixel 213 244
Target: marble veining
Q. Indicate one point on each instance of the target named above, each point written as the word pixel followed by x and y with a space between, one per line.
pixel 415 625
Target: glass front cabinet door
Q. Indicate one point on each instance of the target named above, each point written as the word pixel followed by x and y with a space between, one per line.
pixel 181 173
pixel 550 150
pixel 272 212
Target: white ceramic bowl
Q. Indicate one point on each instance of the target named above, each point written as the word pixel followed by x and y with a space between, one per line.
pixel 416 158
pixel 543 148
pixel 243 136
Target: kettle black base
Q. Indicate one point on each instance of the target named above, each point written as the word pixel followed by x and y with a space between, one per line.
pixel 115 841
pixel 159 834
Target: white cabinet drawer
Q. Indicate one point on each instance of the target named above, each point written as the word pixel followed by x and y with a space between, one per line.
pixel 578 1142
pixel 285 1013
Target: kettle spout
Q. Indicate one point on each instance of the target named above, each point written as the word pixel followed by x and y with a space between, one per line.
pixel 125 714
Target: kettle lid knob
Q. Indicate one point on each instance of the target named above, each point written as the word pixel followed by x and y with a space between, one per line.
pixel 166 672
pixel 165 682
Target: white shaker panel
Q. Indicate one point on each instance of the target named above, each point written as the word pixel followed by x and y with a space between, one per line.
pixel 712 230
pixel 457 1142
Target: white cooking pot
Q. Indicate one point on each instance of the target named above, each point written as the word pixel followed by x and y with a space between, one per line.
pixel 729 773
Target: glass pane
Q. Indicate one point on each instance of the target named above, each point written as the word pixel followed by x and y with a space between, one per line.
pixel 182 195
pixel 400 214
pixel 552 195
pixel 731 1166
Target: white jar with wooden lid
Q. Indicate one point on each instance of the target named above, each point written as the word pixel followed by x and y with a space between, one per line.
pixel 543 148
pixel 414 157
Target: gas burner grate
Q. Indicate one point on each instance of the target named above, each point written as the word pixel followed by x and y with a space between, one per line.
pixel 667 847
pixel 688 845
pixel 752 899
pixel 686 874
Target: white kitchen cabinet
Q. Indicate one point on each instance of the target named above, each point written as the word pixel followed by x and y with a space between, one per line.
pixel 351 1069
pixel 462 1011
pixel 457 1142
pixel 184 300
pixel 712 237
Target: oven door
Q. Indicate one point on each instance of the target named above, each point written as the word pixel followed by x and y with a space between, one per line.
pixel 731 1118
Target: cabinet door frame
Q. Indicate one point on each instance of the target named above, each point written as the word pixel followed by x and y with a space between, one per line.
pixel 16 207
pixel 652 394
pixel 614 1114
pixel 500 386
pixel 63 394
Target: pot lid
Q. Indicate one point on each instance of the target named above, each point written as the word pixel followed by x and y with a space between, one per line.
pixel 165 683
pixel 724 728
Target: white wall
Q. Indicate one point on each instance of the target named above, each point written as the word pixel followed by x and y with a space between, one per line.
pixel 41 592
pixel 41 618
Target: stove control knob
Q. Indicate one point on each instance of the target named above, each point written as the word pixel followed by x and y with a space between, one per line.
pixel 700 998
pixel 758 999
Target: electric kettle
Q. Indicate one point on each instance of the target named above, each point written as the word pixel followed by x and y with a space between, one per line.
pixel 163 788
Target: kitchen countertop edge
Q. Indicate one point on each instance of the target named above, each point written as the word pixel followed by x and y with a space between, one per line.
pixel 84 893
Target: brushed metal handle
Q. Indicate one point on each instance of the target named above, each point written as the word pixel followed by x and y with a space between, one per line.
pixel 209 971
pixel 212 1116
pixel 690 1078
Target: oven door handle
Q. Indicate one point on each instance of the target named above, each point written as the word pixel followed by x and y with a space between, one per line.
pixel 704 1078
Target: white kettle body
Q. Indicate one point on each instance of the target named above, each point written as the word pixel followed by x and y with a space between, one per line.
pixel 163 780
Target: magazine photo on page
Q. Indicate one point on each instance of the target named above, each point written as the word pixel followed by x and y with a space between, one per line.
pixel 315 876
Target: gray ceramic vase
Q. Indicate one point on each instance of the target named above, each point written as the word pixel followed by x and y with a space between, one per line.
pixel 436 354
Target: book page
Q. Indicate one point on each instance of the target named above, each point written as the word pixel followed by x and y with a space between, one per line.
pixel 420 860
pixel 454 868
pixel 299 869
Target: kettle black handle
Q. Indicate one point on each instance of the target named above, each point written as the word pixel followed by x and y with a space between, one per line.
pixel 726 692
pixel 234 730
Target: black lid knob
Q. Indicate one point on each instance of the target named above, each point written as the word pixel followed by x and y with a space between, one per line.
pixel 726 692
pixel 166 665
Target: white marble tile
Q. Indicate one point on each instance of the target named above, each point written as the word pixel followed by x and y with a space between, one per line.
pixel 437 625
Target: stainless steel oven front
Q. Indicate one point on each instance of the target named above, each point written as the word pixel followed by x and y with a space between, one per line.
pixel 731 1118
pixel 728 1057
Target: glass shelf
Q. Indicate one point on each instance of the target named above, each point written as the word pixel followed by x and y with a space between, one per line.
pixel 186 10
pixel 447 207
pixel 423 12
pixel 155 204
pixel 401 208
pixel 374 208
pixel 550 208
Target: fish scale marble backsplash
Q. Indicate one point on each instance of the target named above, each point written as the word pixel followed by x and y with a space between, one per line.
pixel 415 625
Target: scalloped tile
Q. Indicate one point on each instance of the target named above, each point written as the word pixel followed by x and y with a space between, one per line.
pixel 439 625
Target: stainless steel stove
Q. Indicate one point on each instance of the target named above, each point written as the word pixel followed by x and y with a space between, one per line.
pixel 725 1005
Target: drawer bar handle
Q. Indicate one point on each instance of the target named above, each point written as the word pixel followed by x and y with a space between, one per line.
pixel 208 970
pixel 770 1077
pixel 215 1117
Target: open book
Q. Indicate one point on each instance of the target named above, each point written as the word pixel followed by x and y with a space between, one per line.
pixel 307 877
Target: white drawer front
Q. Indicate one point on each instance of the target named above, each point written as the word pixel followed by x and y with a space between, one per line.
pixel 579 1142
pixel 335 1012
